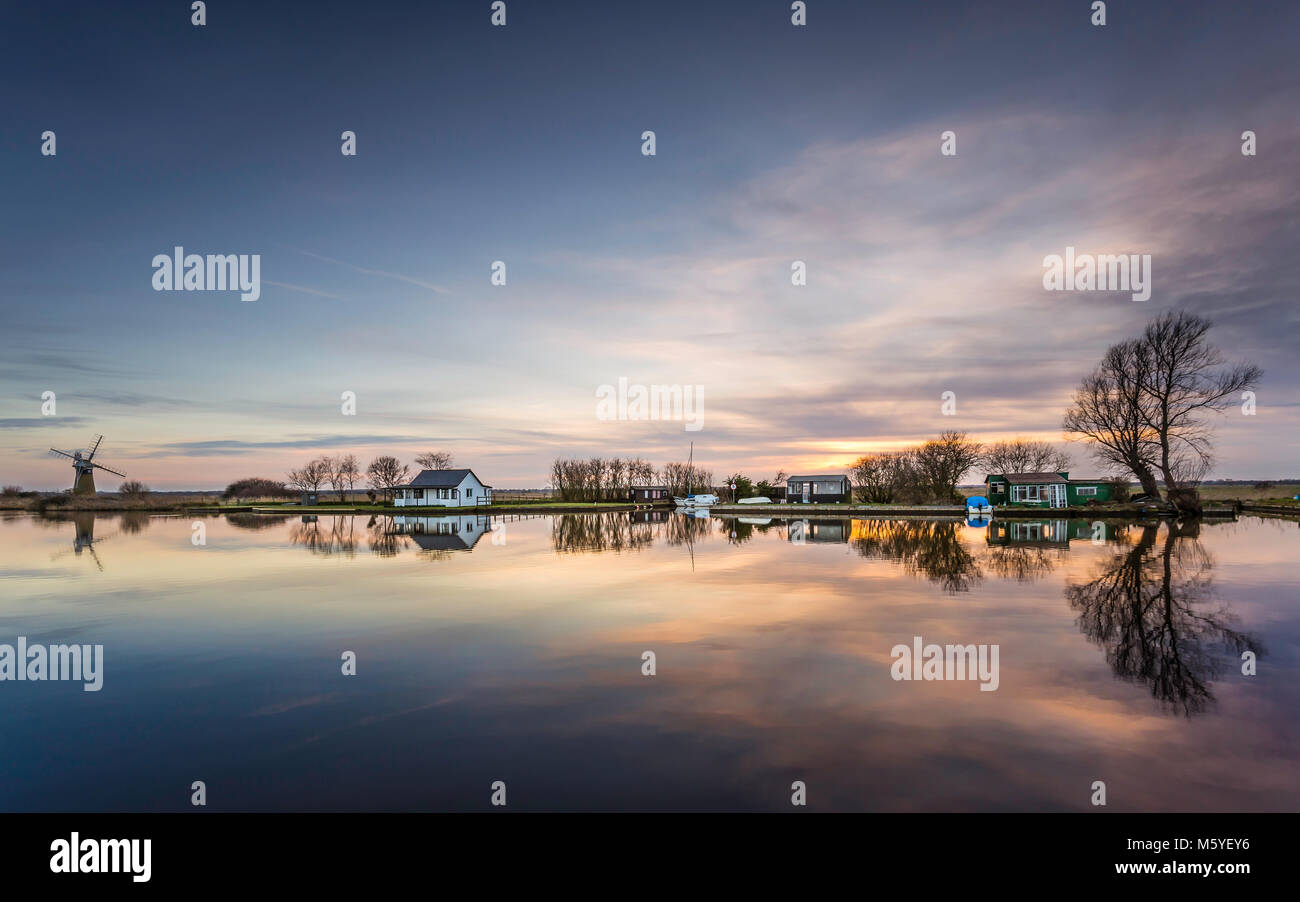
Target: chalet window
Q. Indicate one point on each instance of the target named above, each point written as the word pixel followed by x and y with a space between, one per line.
pixel 419 493
pixel 999 488
pixel 1025 493
pixel 469 493
pixel 1086 490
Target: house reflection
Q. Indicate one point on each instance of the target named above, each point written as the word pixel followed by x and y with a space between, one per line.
pixel 1048 532
pixel 444 533
pixel 812 531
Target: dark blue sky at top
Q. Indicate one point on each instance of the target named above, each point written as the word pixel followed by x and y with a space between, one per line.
pixel 477 143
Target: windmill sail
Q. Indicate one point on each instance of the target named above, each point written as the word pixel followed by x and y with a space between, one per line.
pixel 84 482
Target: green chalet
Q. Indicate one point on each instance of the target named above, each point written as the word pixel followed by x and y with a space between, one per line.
pixel 1044 489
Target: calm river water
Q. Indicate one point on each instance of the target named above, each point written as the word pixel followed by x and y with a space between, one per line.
pixel 512 650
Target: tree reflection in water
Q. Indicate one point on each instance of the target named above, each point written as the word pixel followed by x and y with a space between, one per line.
pixel 931 548
pixel 1151 609
pixel 619 531
pixel 335 535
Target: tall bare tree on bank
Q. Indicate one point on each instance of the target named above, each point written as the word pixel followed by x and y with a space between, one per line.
pixel 1021 455
pixel 1108 413
pixel 386 473
pixel 1145 407
pixel 1187 380
pixel 435 460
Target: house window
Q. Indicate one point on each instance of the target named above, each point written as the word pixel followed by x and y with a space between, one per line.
pixel 1086 490
pixel 469 493
pixel 1026 493
pixel 998 488
pixel 419 493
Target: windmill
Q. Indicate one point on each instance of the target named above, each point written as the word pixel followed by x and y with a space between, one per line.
pixel 85 467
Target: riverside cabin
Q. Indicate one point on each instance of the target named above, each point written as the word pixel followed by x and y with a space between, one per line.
pixel 1050 489
pixel 443 488
pixel 643 494
pixel 818 489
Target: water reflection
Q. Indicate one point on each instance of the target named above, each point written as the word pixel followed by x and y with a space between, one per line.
pixel 523 658
pixel 1151 608
pixel 438 536
pixel 256 522
pixel 83 537
pixel 931 548
pixel 336 535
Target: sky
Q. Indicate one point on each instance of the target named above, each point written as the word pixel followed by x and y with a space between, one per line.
pixel 523 144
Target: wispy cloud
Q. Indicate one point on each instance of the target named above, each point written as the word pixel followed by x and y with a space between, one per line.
pixel 304 289
pixel 39 422
pixel 379 272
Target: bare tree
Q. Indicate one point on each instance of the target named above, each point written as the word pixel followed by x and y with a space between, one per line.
pixel 880 478
pixel 1187 380
pixel 386 473
pixel 133 488
pixel 435 460
pixel 344 474
pixel 1022 455
pixel 1109 413
pixel 942 462
pixel 311 476
pixel 1145 408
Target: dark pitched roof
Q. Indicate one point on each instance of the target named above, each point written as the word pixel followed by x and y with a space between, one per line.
pixel 444 542
pixel 440 479
pixel 823 476
pixel 1023 478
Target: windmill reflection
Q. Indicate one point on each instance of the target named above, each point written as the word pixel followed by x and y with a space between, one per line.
pixel 83 539
pixel 1151 609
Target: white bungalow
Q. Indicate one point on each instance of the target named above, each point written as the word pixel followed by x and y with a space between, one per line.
pixel 443 488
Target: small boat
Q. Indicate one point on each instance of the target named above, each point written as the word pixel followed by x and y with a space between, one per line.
pixel 978 506
pixel 693 501
pixel 754 501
